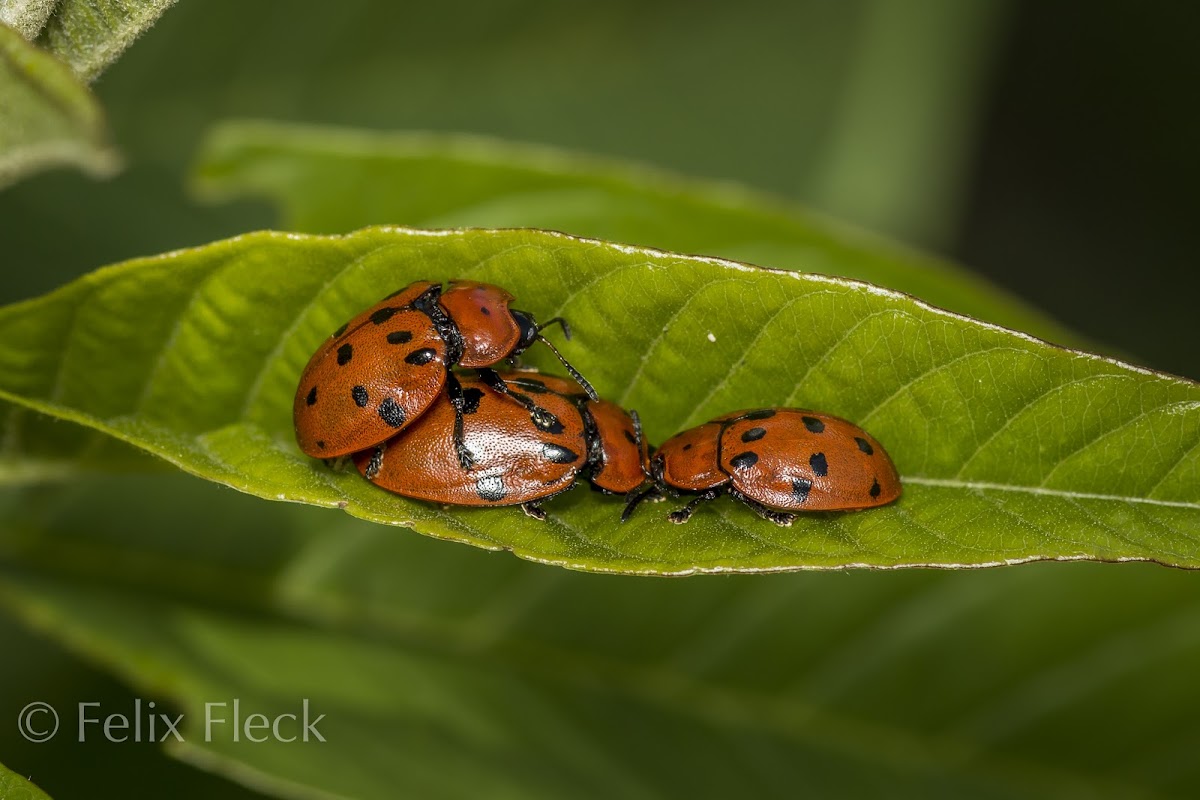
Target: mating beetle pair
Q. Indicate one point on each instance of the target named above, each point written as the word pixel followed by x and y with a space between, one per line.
pixel 386 367
pixel 519 438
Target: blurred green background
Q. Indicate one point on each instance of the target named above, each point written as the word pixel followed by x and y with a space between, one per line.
pixel 1049 146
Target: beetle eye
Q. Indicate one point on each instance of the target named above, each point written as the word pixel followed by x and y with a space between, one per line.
pixel 528 330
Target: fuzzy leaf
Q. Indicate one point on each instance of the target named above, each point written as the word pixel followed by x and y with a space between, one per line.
pixel 47 118
pixel 26 17
pixel 1010 449
pixel 90 34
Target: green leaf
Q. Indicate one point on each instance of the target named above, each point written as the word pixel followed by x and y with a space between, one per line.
pixel 15 787
pixel 90 34
pixel 47 118
pixel 447 672
pixel 1010 450
pixel 334 181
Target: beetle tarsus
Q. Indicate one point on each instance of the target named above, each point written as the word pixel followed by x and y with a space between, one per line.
pixel 781 518
pixel 466 459
pixel 543 419
pixel 684 514
pixel 375 464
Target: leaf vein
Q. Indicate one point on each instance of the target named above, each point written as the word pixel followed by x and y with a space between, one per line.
pixel 951 483
pixel 1110 432
pixel 297 318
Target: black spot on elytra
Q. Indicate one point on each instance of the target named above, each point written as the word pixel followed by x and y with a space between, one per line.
pixel 487 312
pixel 875 488
pixel 558 454
pixel 864 445
pixel 421 357
pixel 813 424
pixel 312 396
pixel 765 413
pixel 754 434
pixel 687 446
pixel 491 488
pixel 320 444
pixel 399 337
pixel 549 424
pixel 340 331
pixel 630 437
pixel 471 398
pixel 359 393
pixel 744 460
pixel 344 354
pixel 391 412
pixel 800 488
pixel 820 466
pixel 383 315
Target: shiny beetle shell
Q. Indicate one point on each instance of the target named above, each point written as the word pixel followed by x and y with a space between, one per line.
pixel 776 460
pixel 619 457
pixel 386 367
pixel 798 460
pixel 515 462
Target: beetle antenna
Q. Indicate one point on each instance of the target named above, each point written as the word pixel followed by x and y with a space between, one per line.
pixel 582 381
pixel 560 322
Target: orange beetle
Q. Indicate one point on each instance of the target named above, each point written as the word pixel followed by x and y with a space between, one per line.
pixel 776 461
pixel 386 367
pixel 514 462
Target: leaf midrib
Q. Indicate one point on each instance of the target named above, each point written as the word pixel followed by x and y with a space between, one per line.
pixel 87 420
pixel 983 486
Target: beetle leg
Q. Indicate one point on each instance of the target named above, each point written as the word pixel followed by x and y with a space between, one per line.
pixel 542 418
pixel 780 518
pixel 375 464
pixel 636 497
pixel 533 510
pixel 684 514
pixel 454 390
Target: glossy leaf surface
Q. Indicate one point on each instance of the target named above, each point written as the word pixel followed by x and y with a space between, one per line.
pixel 1010 450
